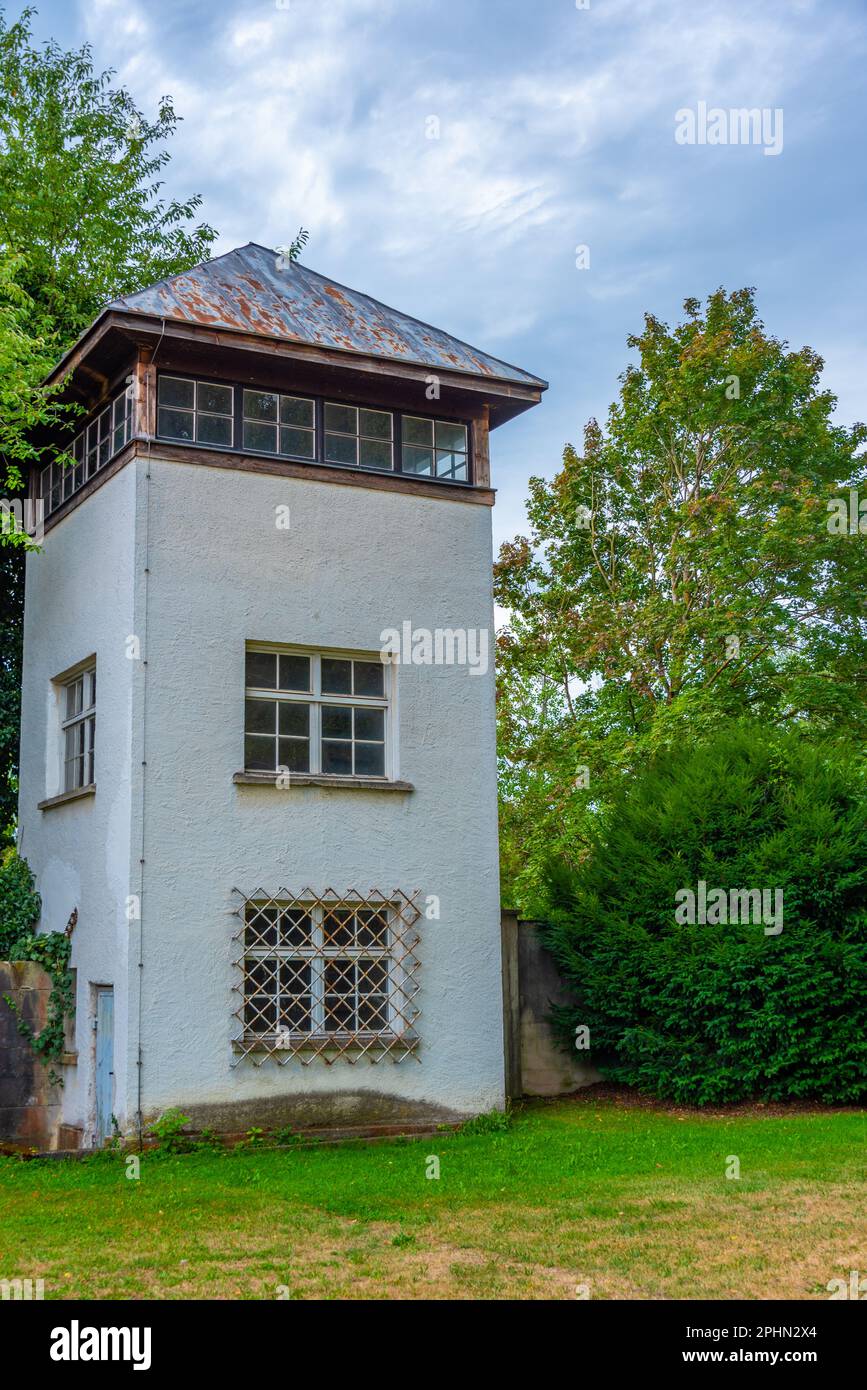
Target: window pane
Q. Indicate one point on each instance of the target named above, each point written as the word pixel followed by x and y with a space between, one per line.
pixel 340 977
pixel 417 431
pixel 372 929
pixel 296 927
pixel 339 1013
pixel 341 448
pixel 369 760
pixel 375 424
pixel 294 719
pixel 215 400
pixel 371 977
pixel 336 721
pixel 260 405
pixel 374 453
pixel 451 465
pixel 337 758
pixel 260 716
pixel 295 754
pixel 342 418
pixel 298 443
pixel 73 698
pixel 369 723
pixel 336 676
pixel 174 391
pixel 262 670
pixel 175 424
pixel 369 677
pixel 451 436
pixel 372 1012
pixel 294 672
pixel 260 926
pixel 295 411
pixel 338 929
pixel 213 429
pixel 417 460
pixel 260 754
pixel 262 437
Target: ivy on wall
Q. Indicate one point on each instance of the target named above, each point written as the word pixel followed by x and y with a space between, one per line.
pixel 20 906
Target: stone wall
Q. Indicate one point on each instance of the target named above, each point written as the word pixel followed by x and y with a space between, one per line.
pixel 29 1105
pixel 535 1064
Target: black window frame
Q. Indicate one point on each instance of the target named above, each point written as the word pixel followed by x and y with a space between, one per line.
pixel 319 402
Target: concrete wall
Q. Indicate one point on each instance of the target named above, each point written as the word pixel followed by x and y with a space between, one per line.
pixel 79 601
pixel 538 1065
pixel 354 562
pixel 30 1106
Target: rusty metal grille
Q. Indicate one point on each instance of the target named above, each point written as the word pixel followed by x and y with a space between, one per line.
pixel 331 975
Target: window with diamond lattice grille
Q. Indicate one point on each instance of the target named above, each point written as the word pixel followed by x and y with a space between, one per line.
pixel 327 975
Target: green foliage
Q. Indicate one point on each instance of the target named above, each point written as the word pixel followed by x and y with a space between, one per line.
pixel 716 1012
pixel 285 1134
pixel 19 913
pixel 697 515
pixel 19 903
pixel 79 183
pixel 168 1129
pixel 82 220
pixel 492 1122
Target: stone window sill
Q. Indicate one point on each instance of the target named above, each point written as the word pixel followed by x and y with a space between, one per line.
pixel 64 797
pixel 309 779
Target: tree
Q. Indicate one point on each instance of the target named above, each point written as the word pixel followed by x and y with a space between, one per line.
pixel 25 406
pixel 82 220
pixel 80 193
pixel 683 570
pixel 715 932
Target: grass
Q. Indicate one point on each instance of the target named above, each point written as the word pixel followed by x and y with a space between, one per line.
pixel 575 1198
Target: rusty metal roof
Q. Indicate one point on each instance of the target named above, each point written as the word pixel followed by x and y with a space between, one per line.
pixel 247 291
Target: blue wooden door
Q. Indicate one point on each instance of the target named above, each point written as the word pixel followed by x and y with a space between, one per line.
pixel 104 1063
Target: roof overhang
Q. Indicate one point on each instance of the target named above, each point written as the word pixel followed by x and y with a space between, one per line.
pixel 95 358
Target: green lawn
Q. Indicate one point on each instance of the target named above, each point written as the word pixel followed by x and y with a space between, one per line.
pixel 626 1200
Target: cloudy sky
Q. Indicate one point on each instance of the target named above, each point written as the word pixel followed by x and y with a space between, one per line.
pixel 449 156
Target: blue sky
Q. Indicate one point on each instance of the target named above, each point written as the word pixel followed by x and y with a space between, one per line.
pixel 556 130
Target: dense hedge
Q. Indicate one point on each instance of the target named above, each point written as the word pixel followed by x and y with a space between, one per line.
pixel 19 903
pixel 715 1012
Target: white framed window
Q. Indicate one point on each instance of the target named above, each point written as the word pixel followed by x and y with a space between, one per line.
pixel 277 424
pixel 327 974
pixel 317 712
pixel 435 448
pixel 78 728
pixel 195 412
pixel 91 450
pixel 363 438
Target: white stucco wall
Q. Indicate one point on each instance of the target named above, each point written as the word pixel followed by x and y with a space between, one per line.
pixel 79 601
pixel 189 560
pixel 354 562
